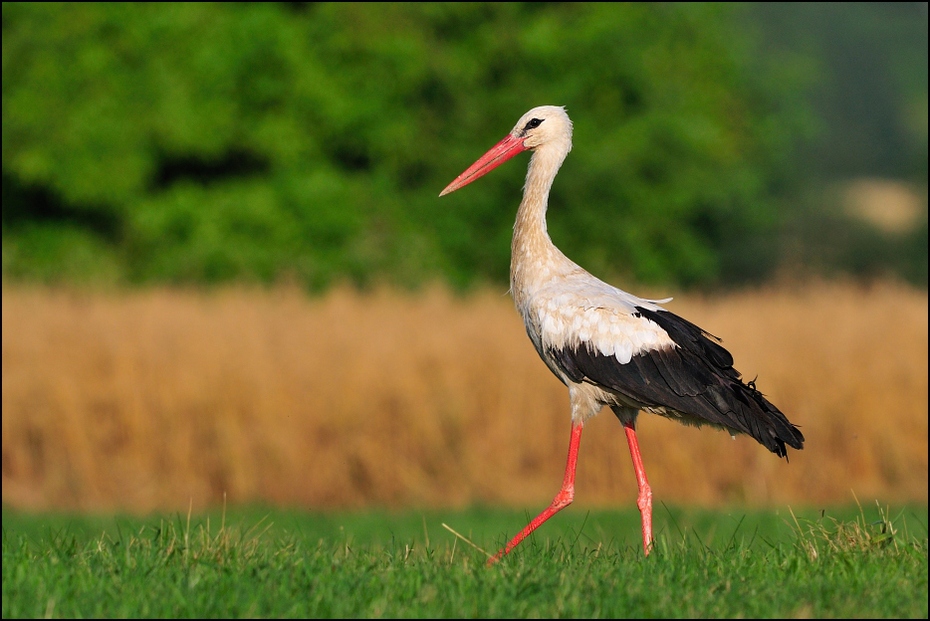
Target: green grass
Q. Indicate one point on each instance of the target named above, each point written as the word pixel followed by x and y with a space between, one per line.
pixel 849 562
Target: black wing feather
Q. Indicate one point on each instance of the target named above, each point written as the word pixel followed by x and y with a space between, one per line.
pixel 695 379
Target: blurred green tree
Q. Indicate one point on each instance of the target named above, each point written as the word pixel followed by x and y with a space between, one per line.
pixel 202 143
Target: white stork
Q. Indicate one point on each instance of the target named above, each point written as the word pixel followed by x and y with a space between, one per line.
pixel 608 346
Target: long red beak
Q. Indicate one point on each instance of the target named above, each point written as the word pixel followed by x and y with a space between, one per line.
pixel 499 153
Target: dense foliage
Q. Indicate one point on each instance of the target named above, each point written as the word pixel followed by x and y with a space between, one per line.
pixel 198 143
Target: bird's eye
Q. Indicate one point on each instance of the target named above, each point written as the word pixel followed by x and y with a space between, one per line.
pixel 533 124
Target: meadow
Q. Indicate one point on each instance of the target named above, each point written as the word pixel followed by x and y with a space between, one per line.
pixel 387 442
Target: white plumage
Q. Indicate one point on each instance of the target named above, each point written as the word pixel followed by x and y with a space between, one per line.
pixel 602 319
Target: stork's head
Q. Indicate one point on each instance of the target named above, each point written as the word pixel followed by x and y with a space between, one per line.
pixel 541 127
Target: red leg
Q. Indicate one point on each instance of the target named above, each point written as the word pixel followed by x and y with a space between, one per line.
pixel 644 500
pixel 561 500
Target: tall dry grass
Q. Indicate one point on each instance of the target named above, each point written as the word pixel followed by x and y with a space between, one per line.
pixel 149 400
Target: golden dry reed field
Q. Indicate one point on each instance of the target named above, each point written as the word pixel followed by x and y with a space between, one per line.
pixel 150 400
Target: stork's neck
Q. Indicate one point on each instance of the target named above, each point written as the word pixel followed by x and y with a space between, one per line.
pixel 534 258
